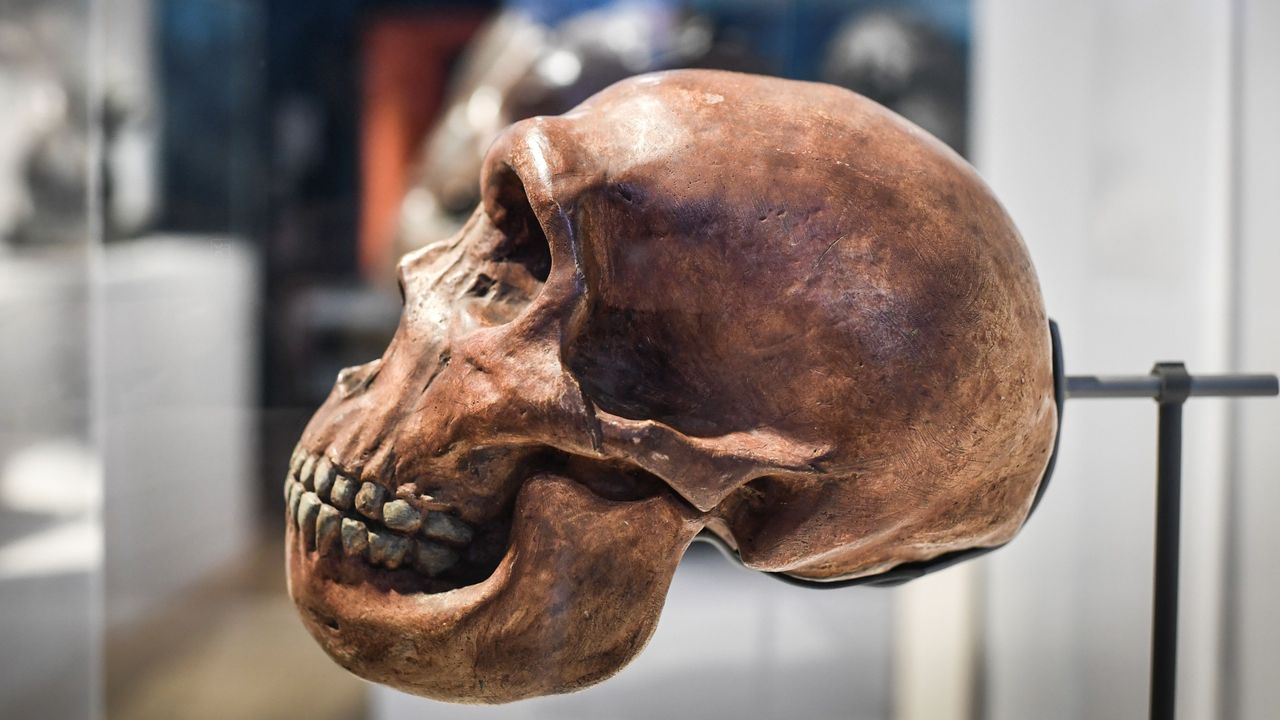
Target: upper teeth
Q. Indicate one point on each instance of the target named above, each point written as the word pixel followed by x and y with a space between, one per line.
pixel 321 503
pixel 369 500
pixel 344 492
pixel 324 476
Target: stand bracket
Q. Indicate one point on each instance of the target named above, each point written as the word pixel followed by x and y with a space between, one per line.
pixel 1170 385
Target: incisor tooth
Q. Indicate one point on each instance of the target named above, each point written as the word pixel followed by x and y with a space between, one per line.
pixel 304 474
pixel 344 492
pixel 295 460
pixel 308 510
pixel 355 537
pixel 400 515
pixel 295 494
pixel 387 549
pixel 446 528
pixel 369 500
pixel 323 478
pixel 327 528
pixel 432 559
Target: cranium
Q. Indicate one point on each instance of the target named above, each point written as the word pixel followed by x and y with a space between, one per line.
pixel 700 300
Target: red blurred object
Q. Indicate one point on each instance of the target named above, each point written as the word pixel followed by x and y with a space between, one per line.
pixel 407 59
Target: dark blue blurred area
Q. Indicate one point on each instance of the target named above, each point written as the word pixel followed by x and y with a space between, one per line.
pixel 209 56
pixel 793 36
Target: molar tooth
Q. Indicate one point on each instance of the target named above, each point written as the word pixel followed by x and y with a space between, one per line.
pixel 327 522
pixel 344 492
pixel 295 494
pixel 369 500
pixel 387 549
pixel 400 515
pixel 447 528
pixel 308 510
pixel 304 474
pixel 355 537
pixel 323 477
pixel 432 559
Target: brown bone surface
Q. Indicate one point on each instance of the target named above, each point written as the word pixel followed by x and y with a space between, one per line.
pixel 767 308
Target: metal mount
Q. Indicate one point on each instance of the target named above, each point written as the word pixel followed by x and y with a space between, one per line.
pixel 1170 385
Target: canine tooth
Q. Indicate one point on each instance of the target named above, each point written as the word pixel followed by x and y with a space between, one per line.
pixel 323 477
pixel 355 537
pixel 432 559
pixel 295 494
pixel 446 528
pixel 369 500
pixel 387 549
pixel 400 515
pixel 344 492
pixel 308 510
pixel 304 474
pixel 327 522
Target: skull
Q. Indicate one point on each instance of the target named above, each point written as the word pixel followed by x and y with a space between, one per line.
pixel 700 300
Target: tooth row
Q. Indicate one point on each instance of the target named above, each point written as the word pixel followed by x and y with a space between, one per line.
pixel 313 483
pixel 324 530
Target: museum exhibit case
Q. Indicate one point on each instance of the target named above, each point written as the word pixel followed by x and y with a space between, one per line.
pixel 626 359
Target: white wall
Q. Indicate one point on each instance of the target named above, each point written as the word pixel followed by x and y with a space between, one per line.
pixel 1106 129
pixel 1252 685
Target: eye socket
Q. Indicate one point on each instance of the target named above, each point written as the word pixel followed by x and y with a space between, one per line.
pixel 507 205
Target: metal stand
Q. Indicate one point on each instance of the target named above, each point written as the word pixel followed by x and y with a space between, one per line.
pixel 1169 385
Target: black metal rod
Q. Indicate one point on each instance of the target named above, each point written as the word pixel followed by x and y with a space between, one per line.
pixel 1164 612
pixel 1148 386
pixel 1176 386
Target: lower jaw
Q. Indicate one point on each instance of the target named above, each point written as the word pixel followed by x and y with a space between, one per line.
pixel 576 596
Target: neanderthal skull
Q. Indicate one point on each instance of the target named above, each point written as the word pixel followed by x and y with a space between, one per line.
pixel 767 308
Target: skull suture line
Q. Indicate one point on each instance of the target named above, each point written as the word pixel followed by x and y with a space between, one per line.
pixel 768 308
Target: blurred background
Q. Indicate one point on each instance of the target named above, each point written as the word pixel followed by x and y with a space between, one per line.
pixel 202 202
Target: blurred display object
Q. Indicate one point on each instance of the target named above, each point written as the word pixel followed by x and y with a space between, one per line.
pixel 406 60
pixel 905 61
pixel 525 63
pixel 43 139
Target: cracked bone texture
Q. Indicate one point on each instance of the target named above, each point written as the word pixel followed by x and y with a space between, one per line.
pixel 701 300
